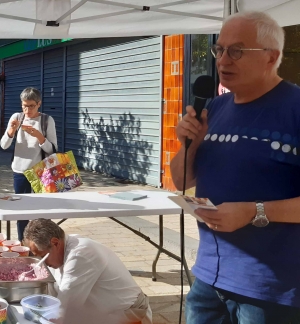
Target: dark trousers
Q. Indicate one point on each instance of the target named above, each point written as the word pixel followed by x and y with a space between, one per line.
pixel 208 305
pixel 21 186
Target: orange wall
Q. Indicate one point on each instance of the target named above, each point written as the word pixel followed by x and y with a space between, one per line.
pixel 172 108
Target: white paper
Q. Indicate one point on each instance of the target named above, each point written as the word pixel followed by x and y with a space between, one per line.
pixel 190 204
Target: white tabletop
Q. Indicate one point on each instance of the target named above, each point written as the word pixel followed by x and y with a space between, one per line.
pixel 80 204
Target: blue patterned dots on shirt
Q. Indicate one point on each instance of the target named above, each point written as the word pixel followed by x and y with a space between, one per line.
pixel 287 138
pixel 275 135
pixel 265 133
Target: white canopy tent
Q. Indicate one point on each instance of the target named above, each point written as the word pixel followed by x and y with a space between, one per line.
pixel 109 18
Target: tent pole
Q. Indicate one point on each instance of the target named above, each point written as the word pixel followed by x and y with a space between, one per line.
pixel 230 8
pixel 233 7
pixel 227 4
pixel 78 5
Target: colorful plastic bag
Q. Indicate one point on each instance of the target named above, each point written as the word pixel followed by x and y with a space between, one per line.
pixel 56 173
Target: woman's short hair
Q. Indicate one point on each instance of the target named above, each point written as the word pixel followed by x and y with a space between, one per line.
pixel 31 94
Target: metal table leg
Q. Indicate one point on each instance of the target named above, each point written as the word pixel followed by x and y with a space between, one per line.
pixel 8 229
pixel 161 249
pixel 160 246
pixel 61 221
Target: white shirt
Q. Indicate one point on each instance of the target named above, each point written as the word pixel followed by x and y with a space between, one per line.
pixel 93 278
pixel 28 151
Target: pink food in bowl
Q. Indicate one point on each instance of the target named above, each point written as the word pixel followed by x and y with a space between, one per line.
pixel 4 249
pixel 11 243
pixel 2 238
pixel 12 269
pixel 22 250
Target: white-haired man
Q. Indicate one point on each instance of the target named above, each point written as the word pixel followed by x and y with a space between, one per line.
pixel 244 156
pixel 92 283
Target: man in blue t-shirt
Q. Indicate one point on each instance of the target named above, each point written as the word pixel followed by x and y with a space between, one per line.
pixel 245 157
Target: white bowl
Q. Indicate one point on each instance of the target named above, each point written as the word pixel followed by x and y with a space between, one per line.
pixel 9 254
pixel 11 243
pixel 47 303
pixel 22 250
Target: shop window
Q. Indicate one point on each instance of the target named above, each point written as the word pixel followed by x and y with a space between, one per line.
pixel 197 61
pixel 290 66
pixel 199 58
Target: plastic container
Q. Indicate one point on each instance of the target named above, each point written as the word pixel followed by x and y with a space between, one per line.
pixel 11 243
pixel 22 250
pixel 40 303
pixel 49 316
pixel 9 254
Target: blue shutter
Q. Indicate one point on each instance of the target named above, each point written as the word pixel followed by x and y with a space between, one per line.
pixel 53 90
pixel 20 73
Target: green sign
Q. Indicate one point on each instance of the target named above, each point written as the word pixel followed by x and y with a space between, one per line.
pixel 28 45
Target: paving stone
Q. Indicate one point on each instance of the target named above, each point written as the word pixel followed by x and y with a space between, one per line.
pixel 157 319
pixel 164 289
pixel 173 317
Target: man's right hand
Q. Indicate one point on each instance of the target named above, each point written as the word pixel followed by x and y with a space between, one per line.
pixel 192 128
pixel 13 127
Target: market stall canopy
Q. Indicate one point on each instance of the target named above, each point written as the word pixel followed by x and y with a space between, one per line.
pixel 109 18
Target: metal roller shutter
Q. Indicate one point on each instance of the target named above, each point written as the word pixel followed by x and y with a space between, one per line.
pixel 19 73
pixel 113 106
pixel 53 90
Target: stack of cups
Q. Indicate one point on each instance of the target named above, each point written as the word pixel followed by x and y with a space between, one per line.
pixel 10 253
pixel 22 250
pixel 11 243
pixel 4 249
pixel 3 311
pixel 2 238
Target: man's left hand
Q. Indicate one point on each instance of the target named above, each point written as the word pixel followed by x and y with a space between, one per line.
pixel 229 216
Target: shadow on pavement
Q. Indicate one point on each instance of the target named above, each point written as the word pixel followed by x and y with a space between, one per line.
pixel 171 277
pixel 165 309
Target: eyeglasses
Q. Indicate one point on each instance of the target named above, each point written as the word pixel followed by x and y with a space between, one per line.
pixel 234 52
pixel 30 107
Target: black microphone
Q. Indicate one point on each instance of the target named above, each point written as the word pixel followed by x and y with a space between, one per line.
pixel 203 89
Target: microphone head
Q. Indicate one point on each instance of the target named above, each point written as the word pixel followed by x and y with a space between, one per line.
pixel 204 87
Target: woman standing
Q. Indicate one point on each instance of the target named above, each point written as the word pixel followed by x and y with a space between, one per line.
pixel 35 135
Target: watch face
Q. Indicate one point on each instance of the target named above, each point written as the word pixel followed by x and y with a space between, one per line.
pixel 261 221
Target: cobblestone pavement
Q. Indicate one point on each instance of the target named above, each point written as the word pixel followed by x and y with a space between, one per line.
pixel 135 252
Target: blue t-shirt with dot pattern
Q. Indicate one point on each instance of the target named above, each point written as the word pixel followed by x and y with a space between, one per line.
pixel 252 152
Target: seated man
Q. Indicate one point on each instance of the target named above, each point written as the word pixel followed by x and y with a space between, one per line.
pixel 90 278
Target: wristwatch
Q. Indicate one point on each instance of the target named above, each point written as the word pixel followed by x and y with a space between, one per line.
pixel 261 219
